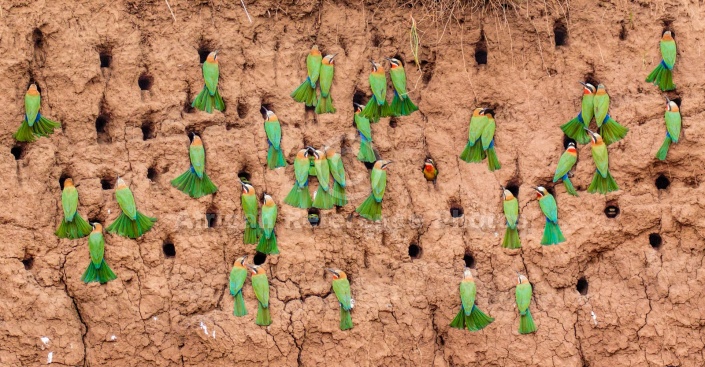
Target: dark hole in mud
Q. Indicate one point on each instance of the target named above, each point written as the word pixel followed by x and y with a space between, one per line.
pixel 469 261
pixel 612 211
pixel 17 151
pixel 655 240
pixel 662 182
pixel 145 82
pixel 560 33
pixel 169 249
pixel 456 211
pixel 260 258
pixel 414 251
pixel 314 217
pixel 28 262
pixel 582 286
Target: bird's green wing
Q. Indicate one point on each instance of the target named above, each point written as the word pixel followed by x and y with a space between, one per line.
pixel 511 212
pixel 198 159
pixel 96 247
pixel 249 208
pixel 274 133
pixel 313 65
pixel 587 108
pixel 549 207
pixel 477 125
pixel 341 287
pixel 322 172
pixel 335 163
pixel 31 107
pixel 237 279
pixel 468 291
pixel 523 295
pixel 673 124
pixel 326 79
pixel 488 134
pixel 211 72
pixel 398 76
pixel 601 106
pixel 301 166
pixel 565 163
pixel 69 201
pixel 126 202
pixel 378 84
pixel 363 126
pixel 269 219
pixel 668 53
pixel 599 155
pixel 378 179
pixel 260 285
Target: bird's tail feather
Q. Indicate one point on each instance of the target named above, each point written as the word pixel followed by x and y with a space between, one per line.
pixel 126 227
pixel 366 154
pixel 663 151
pixel 24 133
pixel 492 161
pixel 101 273
pixel 402 106
pixel 370 209
pixel 552 234
pixel 478 320
pixel 263 316
pixel 662 76
pixel 325 104
pixel 611 131
pixel 252 234
pixel 473 152
pixel 575 130
pixel 459 320
pixel 77 228
pixel 275 158
pixel 511 238
pixel 569 186
pixel 299 197
pixel 526 323
pixel 373 110
pixel 603 185
pixel 239 308
pixel 268 245
pixel 305 93
pixel 345 319
pixel 340 198
pixel 194 186
pixel 323 199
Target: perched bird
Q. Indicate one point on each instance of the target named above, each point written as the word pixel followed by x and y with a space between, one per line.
pixel 362 123
pixel 195 181
pixel 662 75
pixel 248 199
pixel 335 165
pixel 552 234
pixel 565 164
pixel 275 156
pixel 488 142
pixel 299 196
pixel 34 124
pixel 429 170
pixel 210 98
pixel 98 270
pixel 602 181
pixel 401 103
pixel 610 130
pixel 130 223
pixel 511 213
pixel 523 299
pixel 371 208
pixel 377 106
pixel 673 128
pixel 469 316
pixel 73 225
pixel 473 151
pixel 325 101
pixel 323 198
pixel 575 128
pixel 260 284
pixel 341 287
pixel 306 92
pixel 268 219
pixel 238 275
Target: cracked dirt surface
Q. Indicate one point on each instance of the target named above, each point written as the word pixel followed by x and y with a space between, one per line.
pixel 176 311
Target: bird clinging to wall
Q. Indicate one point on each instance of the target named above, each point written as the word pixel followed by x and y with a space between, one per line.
pixel 662 75
pixel 34 124
pixel 306 92
pixel 470 316
pixel 209 97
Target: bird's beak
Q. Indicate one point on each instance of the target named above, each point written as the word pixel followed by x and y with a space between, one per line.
pixel 332 271
pixel 373 63
pixel 252 267
pixel 215 52
pixel 244 258
pixel 333 57
pixel 265 110
pixel 584 84
pixel 667 99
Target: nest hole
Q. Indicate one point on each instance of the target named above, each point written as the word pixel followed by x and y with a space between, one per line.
pixel 152 174
pixel 560 33
pixel 28 262
pixel 62 179
pixel 264 107
pixel 678 101
pixel 359 98
pixel 38 38
pixel 612 210
pixel 469 261
pixel 101 129
pixel 17 151
pixel 582 286
pixel 145 82
pixel 211 218
pixel 513 187
pixel 106 59
pixel 456 211
pixel 241 109
pixel 481 50
pixel 414 251
pixel 244 176
pixel 590 79
pixel 260 258
pixel 369 165
pixel 203 52
pixel 393 123
pixel 623 32
pixel 147 130
pixel 662 182
pixel 107 182
pixel 567 140
pixel 655 240
pixel 169 249
pixel 314 217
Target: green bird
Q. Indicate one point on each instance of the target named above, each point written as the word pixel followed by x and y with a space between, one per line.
pixel 325 101
pixel 34 125
pixel 575 128
pixel 552 234
pixel 322 198
pixel 306 92
pixel 341 287
pixel 260 284
pixel 602 181
pixel 673 128
pixel 511 213
pixel 195 182
pixel 473 152
pixel 210 98
pixel 377 106
pixel 362 123
pixel 130 223
pixel 98 270
pixel 238 275
pixel 268 219
pixel 470 316
pixel 662 75
pixel 73 225
pixel 299 196
pixel 273 129
pixel 371 208
pixel 565 164
pixel 523 299
pixel 335 166
pixel 401 103
pixel 610 130
pixel 248 199
pixel 487 139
